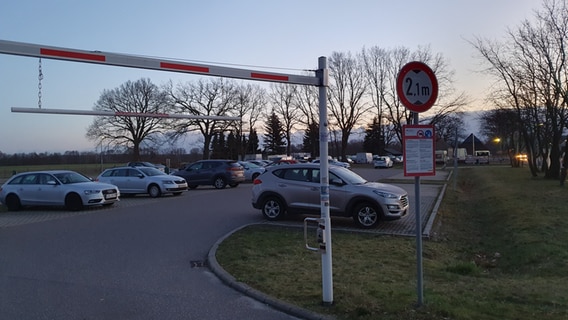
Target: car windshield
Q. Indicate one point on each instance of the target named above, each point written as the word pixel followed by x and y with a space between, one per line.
pixel 151 171
pixel 348 175
pixel 250 165
pixel 71 177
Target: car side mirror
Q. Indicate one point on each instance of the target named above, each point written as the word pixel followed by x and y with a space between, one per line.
pixel 336 182
pixel 141 176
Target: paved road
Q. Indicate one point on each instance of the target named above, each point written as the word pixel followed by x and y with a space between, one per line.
pixel 142 259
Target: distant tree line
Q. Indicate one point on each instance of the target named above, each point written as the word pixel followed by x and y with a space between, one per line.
pixel 361 93
pixel 529 96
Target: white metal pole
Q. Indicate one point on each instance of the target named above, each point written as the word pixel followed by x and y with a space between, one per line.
pixel 419 268
pixel 326 259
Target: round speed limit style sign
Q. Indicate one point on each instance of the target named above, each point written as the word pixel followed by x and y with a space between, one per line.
pixel 417 86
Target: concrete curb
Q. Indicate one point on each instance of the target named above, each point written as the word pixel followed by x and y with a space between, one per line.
pixel 430 222
pixel 253 293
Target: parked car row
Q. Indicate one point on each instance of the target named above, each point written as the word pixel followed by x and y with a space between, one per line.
pixel 335 163
pixel 75 191
pixel 277 190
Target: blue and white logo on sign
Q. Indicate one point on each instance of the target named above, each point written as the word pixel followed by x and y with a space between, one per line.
pixel 428 134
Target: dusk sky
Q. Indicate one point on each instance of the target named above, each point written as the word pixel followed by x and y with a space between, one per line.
pixel 289 34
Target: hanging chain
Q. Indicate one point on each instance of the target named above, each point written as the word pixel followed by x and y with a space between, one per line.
pixel 40 77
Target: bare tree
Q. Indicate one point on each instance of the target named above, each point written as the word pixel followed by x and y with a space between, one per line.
pixel 282 98
pixel 531 74
pixel 251 100
pixel 346 92
pixel 307 102
pixel 377 63
pixel 212 97
pixel 502 125
pixel 141 96
pixel 382 67
pixel 381 70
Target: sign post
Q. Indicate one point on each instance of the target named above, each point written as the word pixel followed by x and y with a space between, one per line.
pixel 417 89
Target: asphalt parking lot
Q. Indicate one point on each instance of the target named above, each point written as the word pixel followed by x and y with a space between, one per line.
pixel 146 258
pixel 431 191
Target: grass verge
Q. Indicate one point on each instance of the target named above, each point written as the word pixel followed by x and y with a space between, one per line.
pixel 499 251
pixel 91 170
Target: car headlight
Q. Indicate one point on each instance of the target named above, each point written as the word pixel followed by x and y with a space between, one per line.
pixel 387 195
pixel 168 182
pixel 88 192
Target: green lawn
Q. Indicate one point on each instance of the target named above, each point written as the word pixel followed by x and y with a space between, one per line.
pixel 499 251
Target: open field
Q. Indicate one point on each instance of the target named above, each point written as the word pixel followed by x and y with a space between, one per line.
pixel 91 170
pixel 499 251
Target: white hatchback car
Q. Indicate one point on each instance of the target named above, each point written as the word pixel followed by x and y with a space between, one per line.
pixel 56 188
pixel 382 162
pixel 143 180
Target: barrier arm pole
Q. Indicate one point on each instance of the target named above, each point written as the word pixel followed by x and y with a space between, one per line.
pixel 325 246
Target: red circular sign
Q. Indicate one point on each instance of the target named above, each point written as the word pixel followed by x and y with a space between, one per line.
pixel 417 86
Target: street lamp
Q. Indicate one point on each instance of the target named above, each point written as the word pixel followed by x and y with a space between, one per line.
pixel 497 141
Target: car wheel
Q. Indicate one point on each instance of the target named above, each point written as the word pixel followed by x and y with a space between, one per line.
pixel 233 185
pixel 273 208
pixel 73 202
pixel 366 215
pixel 154 191
pixel 219 183
pixel 13 202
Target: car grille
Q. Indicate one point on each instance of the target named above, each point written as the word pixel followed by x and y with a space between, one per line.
pixel 404 200
pixel 179 181
pixel 109 191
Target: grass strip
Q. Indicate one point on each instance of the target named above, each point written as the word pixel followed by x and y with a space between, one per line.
pixel 499 251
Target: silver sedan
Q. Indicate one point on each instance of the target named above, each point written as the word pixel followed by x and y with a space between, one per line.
pixel 143 180
pixel 56 188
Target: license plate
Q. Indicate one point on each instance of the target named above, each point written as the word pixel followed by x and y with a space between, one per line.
pixel 110 196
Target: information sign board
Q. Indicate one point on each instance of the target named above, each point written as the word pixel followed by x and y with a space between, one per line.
pixel 419 150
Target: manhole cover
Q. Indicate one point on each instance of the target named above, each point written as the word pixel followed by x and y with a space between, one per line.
pixel 198 263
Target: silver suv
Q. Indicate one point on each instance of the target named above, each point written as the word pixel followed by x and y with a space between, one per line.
pixel 296 189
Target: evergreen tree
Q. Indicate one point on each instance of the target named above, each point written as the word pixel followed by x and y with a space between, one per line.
pixel 311 140
pixel 274 136
pixel 253 143
pixel 218 146
pixel 374 140
pixel 232 150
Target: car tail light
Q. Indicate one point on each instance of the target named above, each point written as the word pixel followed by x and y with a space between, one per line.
pixel 234 169
pixel 257 181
